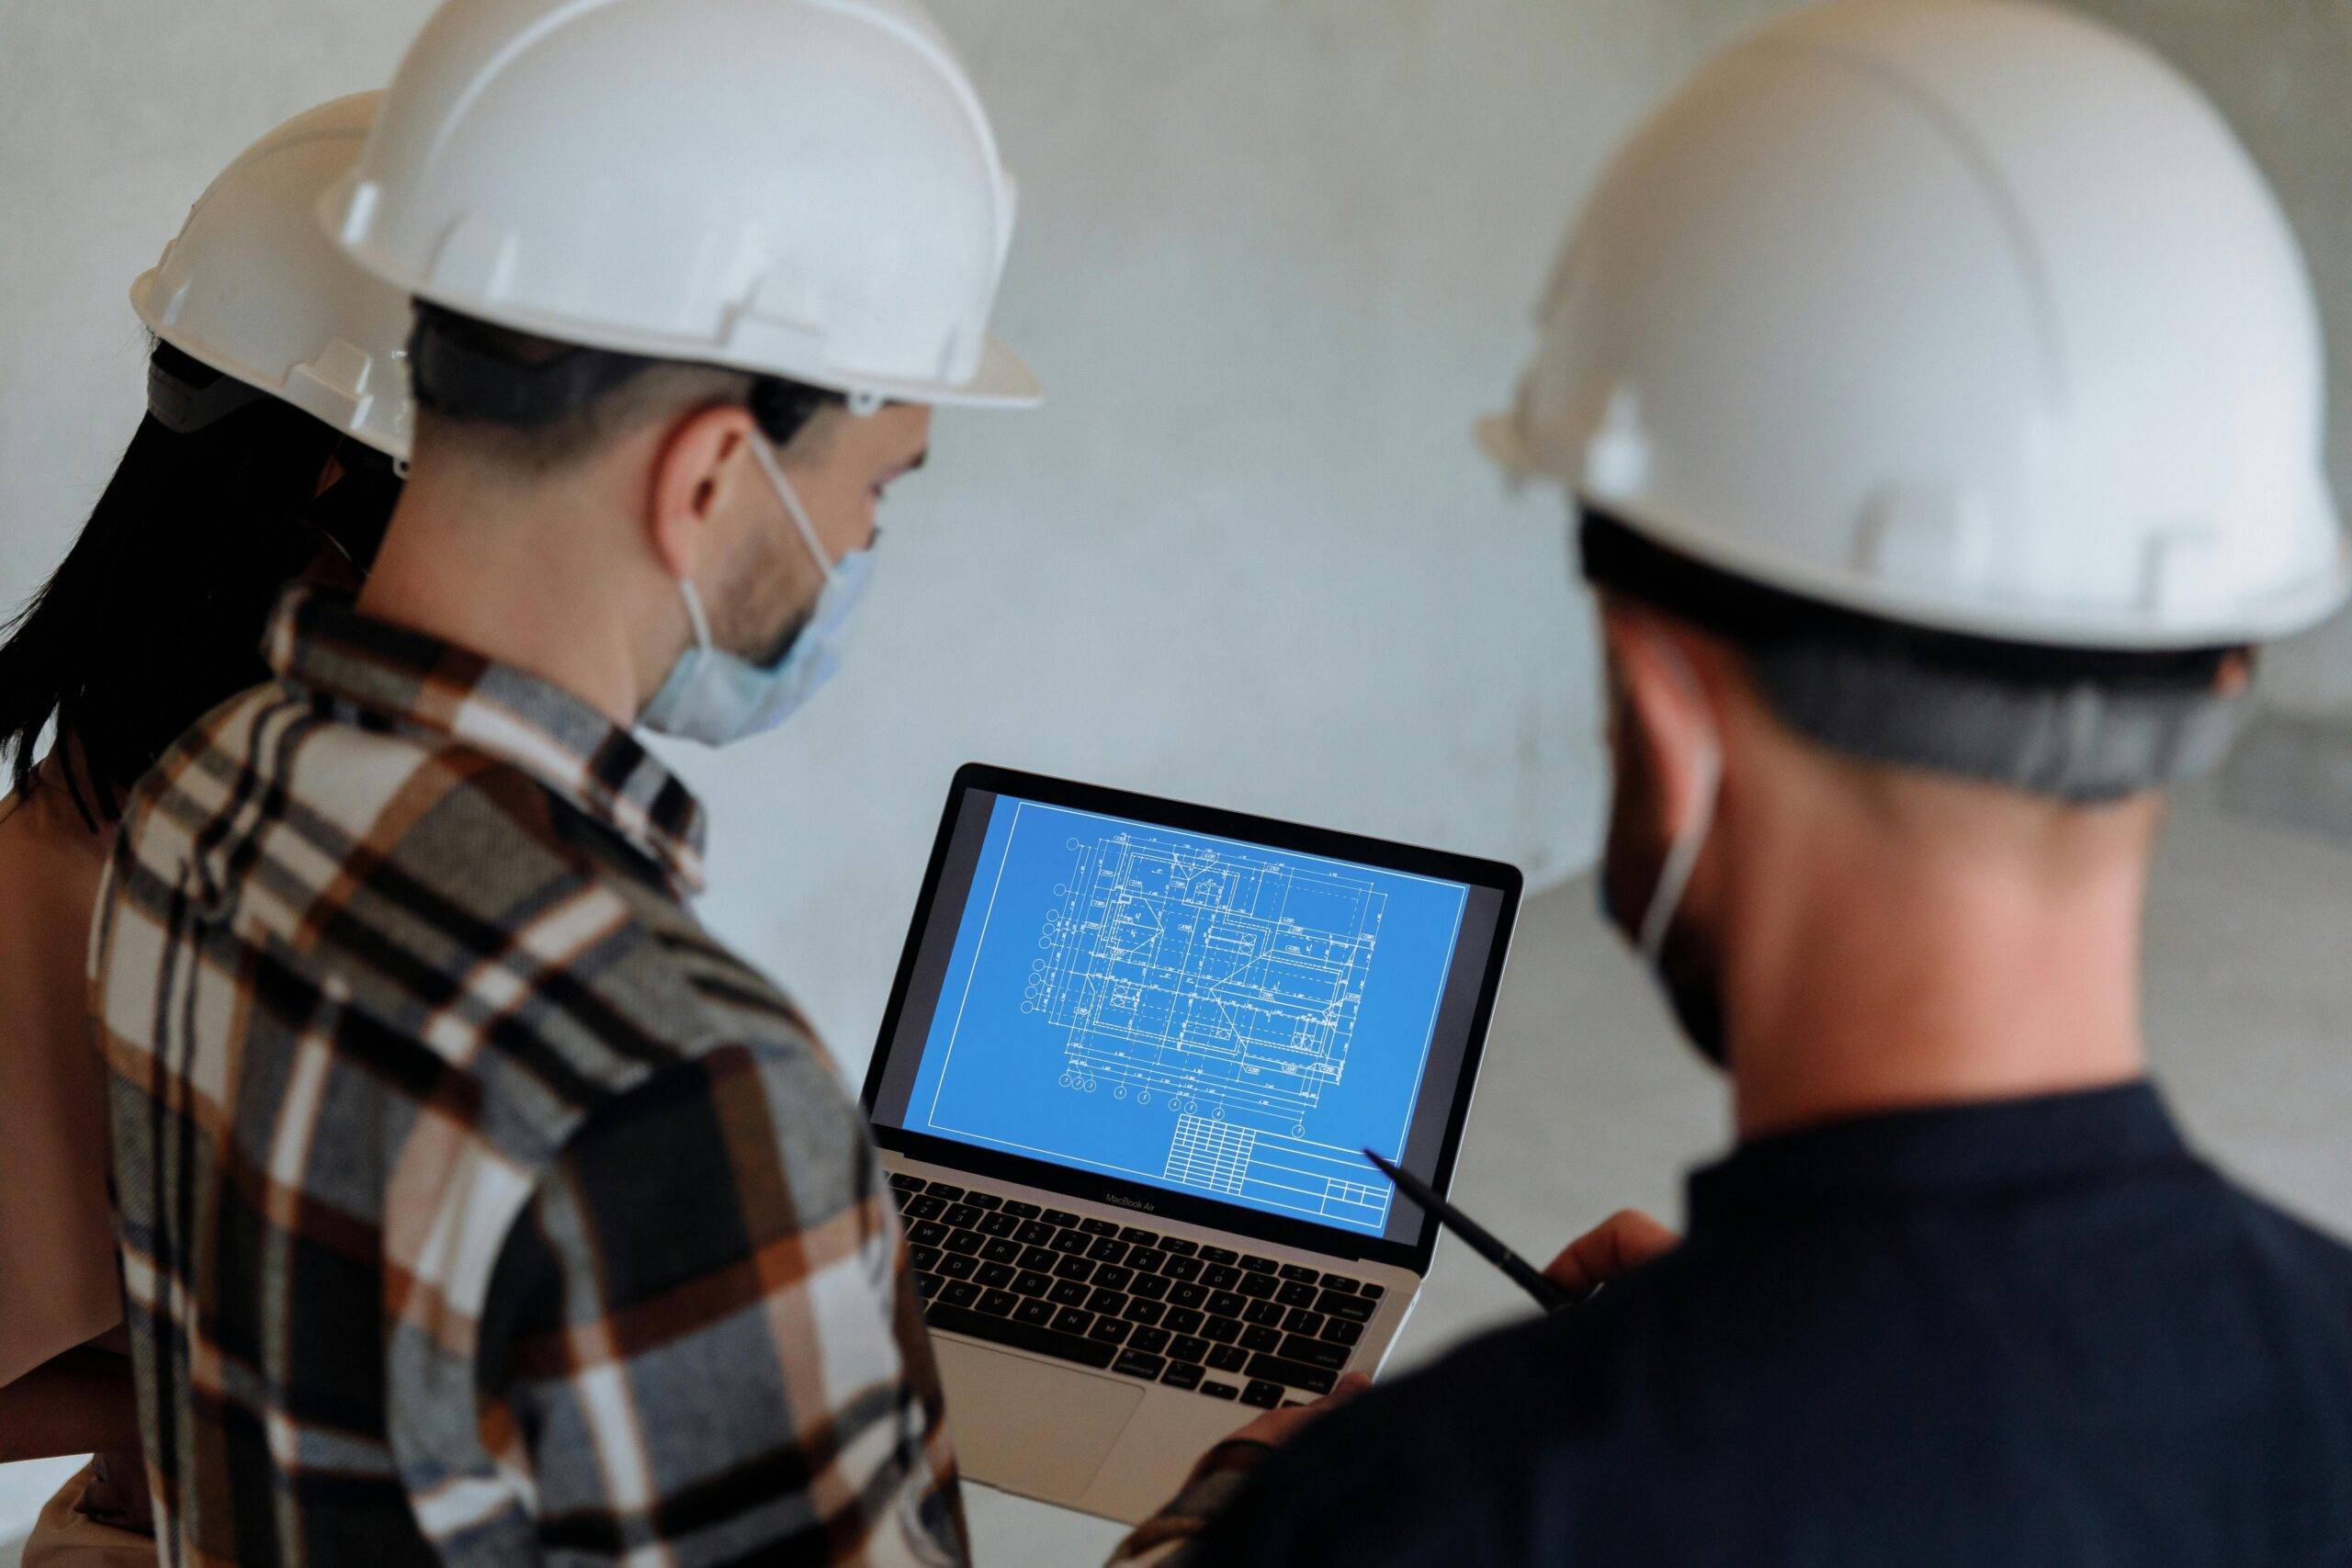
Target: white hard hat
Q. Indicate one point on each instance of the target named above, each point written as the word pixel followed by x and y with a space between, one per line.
pixel 801 188
pixel 251 288
pixel 1960 313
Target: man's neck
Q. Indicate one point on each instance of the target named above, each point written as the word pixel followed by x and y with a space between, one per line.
pixel 1933 976
pixel 533 591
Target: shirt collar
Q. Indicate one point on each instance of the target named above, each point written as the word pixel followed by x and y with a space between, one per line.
pixel 1908 1156
pixel 320 641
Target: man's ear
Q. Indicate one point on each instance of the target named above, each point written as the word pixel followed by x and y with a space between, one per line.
pixel 1660 703
pixel 694 465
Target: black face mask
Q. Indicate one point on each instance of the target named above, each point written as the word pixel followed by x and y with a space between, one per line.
pixel 1687 980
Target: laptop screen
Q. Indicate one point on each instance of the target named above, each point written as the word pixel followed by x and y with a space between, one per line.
pixel 1108 987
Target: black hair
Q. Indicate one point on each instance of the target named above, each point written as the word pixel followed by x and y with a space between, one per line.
pixel 2083 723
pixel 156 614
pixel 550 401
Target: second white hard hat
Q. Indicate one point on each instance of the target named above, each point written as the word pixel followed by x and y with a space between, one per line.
pixel 1963 313
pixel 253 289
pixel 802 188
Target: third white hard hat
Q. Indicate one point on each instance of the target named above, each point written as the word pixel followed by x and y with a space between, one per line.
pixel 1963 313
pixel 251 288
pixel 803 188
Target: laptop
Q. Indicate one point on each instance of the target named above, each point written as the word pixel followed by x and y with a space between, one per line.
pixel 1133 1055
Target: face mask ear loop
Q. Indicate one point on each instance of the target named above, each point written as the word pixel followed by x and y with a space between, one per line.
pixel 694 617
pixel 1682 858
pixel 770 465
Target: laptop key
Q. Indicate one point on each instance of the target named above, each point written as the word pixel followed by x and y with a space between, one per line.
pixel 1185 1320
pixel 1144 1260
pixel 1152 1287
pixel 1135 1238
pixel 1059 1217
pixel 1298 1374
pixel 961 1215
pixel 1110 1330
pixel 1265 1395
pixel 925 1259
pixel 1071 1242
pixel 1297 1295
pixel 1257 1339
pixel 1219 1255
pixel 1227 1303
pixel 1228 1358
pixel 1333 1282
pixel 1107 1249
pixel 1177 1246
pixel 942 1190
pixel 1255 1265
pixel 1105 1300
pixel 1034 1233
pixel 998 1304
pixel 906 1183
pixel 1220 1389
pixel 1001 1251
pixel 1072 1320
pixel 1037 1257
pixel 995 1276
pixel 927 1232
pixel 982 1199
pixel 1037 1311
pixel 923 1208
pixel 1021 1210
pixel 1153 1340
pixel 1301 1321
pixel 927 1285
pixel 1069 1293
pixel 1257 1287
pixel 1340 1331
pixel 1181 1373
pixel 1187 1348
pixel 963 1241
pixel 959 1293
pixel 1029 1283
pixel 1019 1336
pixel 1182 1268
pixel 1355 1309
pixel 1314 1352
pixel 1298 1273
pixel 1266 1313
pixel 1220 1276
pixel 1224 1330
pixel 1075 1268
pixel 1135 1364
pixel 955 1266
pixel 1369 1291
pixel 1186 1296
pixel 1111 1276
pixel 1145 1311
pixel 996 1224
pixel 1098 1227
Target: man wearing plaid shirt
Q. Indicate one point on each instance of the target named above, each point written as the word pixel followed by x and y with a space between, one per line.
pixel 477 1206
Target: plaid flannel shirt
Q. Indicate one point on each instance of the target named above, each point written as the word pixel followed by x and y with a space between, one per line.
pixel 475 1203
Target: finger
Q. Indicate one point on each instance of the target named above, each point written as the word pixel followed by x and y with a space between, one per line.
pixel 1620 1243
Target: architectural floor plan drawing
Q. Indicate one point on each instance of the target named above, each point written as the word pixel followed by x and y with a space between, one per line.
pixel 1224 985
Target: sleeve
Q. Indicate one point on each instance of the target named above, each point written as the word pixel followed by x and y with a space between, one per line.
pixel 700 1343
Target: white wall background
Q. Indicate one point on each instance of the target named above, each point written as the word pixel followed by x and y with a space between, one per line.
pixel 1275 255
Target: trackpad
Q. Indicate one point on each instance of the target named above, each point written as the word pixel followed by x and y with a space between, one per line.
pixel 1029 1425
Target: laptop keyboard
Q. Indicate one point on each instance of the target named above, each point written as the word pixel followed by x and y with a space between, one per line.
pixel 1129 1301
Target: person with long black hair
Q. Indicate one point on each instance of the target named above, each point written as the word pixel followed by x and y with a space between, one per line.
pixel 278 417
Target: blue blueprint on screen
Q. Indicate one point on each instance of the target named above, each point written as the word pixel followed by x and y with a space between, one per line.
pixel 1190 1012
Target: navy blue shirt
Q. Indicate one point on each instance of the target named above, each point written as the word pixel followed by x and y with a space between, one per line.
pixel 2038 1331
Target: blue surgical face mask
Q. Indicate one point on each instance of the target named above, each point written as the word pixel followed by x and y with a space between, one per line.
pixel 715 696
